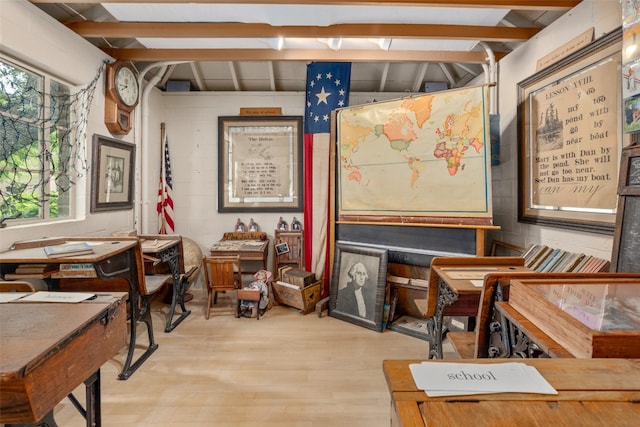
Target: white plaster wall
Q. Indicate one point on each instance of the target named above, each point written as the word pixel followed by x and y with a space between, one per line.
pixel 29 35
pixel 604 16
pixel 191 120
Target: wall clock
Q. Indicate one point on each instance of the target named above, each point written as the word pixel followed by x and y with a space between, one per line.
pixel 121 97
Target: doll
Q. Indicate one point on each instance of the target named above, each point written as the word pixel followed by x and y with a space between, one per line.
pixel 261 282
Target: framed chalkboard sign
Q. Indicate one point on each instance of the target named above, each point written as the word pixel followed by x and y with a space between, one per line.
pixel 626 244
pixel 629 182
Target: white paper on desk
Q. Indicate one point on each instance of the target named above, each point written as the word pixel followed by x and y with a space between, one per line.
pixel 454 379
pixel 45 296
pixel 157 244
pixel 11 296
pixel 150 243
pixel 477 283
pixel 467 275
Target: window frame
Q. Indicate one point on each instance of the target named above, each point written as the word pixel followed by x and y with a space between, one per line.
pixel 45 128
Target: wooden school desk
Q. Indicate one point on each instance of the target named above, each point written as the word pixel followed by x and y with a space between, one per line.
pixel 247 249
pixel 591 393
pixel 166 249
pixel 112 258
pixel 573 317
pixel 49 349
pixel 452 291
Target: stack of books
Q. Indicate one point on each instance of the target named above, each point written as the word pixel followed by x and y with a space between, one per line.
pixel 75 271
pixel 68 249
pixel 32 271
pixel 542 258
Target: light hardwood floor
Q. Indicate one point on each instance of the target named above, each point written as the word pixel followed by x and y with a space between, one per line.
pixel 283 370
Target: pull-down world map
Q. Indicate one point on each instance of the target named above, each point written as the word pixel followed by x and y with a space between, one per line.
pixel 421 156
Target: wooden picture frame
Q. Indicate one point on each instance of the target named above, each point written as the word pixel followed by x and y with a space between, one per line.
pixel 570 137
pixel 353 264
pixel 112 166
pixel 260 164
pixel 626 245
pixel 629 180
pixel 282 248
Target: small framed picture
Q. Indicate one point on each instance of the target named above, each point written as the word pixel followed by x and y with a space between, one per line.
pixel 112 174
pixel 282 248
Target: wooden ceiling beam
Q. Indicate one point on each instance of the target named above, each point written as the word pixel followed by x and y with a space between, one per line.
pixel 502 4
pixel 473 57
pixel 89 29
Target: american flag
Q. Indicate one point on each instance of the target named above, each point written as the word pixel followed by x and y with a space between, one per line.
pixel 327 89
pixel 165 200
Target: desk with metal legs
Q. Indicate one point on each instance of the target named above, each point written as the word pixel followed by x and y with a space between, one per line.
pixel 166 248
pixel 49 349
pixel 113 258
pixel 455 286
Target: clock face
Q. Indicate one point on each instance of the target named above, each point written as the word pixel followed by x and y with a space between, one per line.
pixel 126 86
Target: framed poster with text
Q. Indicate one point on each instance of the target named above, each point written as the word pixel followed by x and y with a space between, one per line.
pixel 570 137
pixel 260 164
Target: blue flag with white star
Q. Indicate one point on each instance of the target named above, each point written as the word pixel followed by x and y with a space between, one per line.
pixel 327 89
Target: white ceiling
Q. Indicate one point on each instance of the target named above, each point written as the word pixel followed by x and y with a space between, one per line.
pixel 265 46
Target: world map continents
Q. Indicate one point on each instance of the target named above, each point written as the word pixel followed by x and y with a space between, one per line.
pixel 424 155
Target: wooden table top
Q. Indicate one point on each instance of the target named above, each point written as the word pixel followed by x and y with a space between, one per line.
pixel 49 349
pixel 567 376
pixel 591 392
pixel 155 246
pixel 29 330
pixel 240 245
pixel 459 277
pixel 103 249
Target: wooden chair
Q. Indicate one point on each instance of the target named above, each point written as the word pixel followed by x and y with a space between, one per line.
pixel 221 274
pixel 293 257
pixel 16 286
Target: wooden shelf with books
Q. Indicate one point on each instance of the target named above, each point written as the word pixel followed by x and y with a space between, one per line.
pixel 544 259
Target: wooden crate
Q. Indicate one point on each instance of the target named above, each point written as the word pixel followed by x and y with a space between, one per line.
pixel 304 299
pixel 556 305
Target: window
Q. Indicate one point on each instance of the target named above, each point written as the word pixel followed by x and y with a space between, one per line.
pixel 37 151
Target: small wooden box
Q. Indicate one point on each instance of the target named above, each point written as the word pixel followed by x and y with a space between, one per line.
pixel 589 317
pixel 304 299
